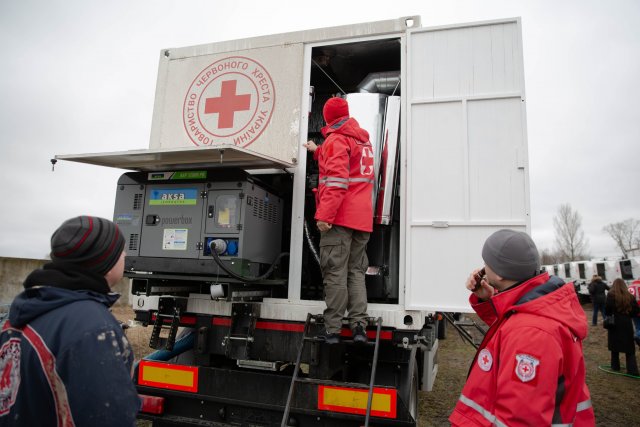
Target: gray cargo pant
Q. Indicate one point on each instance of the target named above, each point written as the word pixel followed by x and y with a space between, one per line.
pixel 343 260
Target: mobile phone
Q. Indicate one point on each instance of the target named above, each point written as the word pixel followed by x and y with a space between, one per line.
pixel 478 278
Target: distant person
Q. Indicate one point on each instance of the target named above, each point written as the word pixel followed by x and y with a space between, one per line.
pixel 623 307
pixel 344 216
pixel 634 288
pixel 64 360
pixel 529 370
pixel 598 291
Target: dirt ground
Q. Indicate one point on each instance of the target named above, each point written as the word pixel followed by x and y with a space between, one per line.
pixel 613 396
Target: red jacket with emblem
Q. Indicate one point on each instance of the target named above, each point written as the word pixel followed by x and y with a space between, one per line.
pixel 529 369
pixel 345 189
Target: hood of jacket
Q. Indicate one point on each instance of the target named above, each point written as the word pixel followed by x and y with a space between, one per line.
pixel 545 296
pixel 52 287
pixel 348 127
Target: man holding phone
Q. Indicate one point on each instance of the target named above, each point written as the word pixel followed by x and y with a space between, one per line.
pixel 529 369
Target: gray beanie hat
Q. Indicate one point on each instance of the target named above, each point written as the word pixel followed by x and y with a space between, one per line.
pixel 511 255
pixel 93 243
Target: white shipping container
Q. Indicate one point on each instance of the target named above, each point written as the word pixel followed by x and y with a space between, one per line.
pixel 463 144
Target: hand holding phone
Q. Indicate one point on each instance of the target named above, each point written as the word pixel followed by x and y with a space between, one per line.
pixel 478 278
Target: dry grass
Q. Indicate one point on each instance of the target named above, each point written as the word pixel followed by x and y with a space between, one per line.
pixel 612 395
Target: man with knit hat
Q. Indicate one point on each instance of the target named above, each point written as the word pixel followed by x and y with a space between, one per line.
pixel 64 359
pixel 529 369
pixel 344 216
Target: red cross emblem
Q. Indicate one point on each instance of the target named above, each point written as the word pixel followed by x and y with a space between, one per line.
pixel 526 367
pixel 227 104
pixel 485 360
pixel 230 101
pixel 366 161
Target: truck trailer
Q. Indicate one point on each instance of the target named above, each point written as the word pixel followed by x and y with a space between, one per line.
pixel 218 216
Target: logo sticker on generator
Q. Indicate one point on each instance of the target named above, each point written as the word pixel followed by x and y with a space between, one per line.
pixel 176 196
pixel 229 102
pixel 175 239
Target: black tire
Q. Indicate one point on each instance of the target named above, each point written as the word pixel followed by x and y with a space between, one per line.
pixel 409 386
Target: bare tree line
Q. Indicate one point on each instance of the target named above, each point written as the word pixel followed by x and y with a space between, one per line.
pixel 571 243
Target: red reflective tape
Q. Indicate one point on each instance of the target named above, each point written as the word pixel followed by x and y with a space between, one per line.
pixel 297 327
pixel 152 404
pixel 221 321
pixel 384 335
pixel 185 320
pixel 48 362
pixel 280 326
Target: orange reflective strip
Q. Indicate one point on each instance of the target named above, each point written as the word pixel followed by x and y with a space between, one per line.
pixel 165 375
pixel 354 401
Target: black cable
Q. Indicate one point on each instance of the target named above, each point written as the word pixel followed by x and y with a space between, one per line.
pixel 214 254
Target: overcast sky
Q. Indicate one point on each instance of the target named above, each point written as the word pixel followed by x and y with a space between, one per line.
pixel 78 76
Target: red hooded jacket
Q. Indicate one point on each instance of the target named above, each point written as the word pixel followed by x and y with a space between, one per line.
pixel 529 369
pixel 345 188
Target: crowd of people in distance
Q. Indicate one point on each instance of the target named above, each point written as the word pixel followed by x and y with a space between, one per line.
pixel 620 311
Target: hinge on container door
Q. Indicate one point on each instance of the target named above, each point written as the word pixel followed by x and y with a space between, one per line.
pixel 203 194
pixel 239 226
pixel 241 196
pixel 199 246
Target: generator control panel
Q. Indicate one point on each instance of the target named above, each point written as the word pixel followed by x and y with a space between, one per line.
pixel 169 220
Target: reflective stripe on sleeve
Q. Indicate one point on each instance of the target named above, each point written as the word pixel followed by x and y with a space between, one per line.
pixel 367 180
pixel 333 178
pixel 486 414
pixel 336 184
pixel 583 405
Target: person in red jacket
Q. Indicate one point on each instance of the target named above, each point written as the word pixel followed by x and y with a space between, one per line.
pixel 634 288
pixel 529 369
pixel 344 216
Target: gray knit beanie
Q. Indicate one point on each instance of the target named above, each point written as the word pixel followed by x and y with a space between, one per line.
pixel 511 255
pixel 93 243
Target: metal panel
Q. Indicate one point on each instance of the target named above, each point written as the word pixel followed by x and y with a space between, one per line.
pixel 388 162
pixel 245 98
pixel 496 160
pixel 466 167
pixel 176 230
pixel 178 158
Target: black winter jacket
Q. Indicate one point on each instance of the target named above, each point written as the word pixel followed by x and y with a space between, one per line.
pixel 620 337
pixel 64 360
pixel 598 290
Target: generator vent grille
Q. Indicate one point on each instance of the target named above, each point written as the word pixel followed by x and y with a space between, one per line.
pixel 133 242
pixel 137 201
pixel 264 210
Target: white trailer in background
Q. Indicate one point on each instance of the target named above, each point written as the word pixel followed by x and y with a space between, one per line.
pixel 452 171
pixel 608 270
pixel 629 269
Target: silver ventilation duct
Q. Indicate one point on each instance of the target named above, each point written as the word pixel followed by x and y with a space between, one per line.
pixel 382 82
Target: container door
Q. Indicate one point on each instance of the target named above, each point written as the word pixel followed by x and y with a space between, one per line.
pixel 466 155
pixel 227 95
